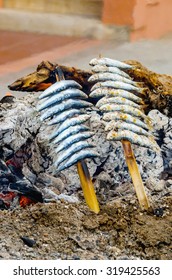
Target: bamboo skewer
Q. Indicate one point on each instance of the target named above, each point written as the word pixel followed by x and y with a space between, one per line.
pixel 87 186
pixel 135 175
pixel 83 172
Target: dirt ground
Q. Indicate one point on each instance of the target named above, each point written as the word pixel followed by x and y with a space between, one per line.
pixel 70 231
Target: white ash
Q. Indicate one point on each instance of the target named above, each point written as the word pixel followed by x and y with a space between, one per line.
pixel 20 122
pixel 163 133
pixel 63 197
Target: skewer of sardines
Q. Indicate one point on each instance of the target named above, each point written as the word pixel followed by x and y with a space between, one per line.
pixel 63 104
pixel 120 101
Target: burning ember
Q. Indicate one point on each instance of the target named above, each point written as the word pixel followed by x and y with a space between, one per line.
pixel 14 189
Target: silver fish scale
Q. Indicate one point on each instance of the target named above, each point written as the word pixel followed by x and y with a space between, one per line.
pixel 111 92
pixel 81 155
pixel 110 62
pixel 124 109
pixel 72 122
pixel 116 100
pixel 125 118
pixel 134 138
pixel 58 87
pixel 120 125
pixel 117 85
pixel 64 115
pixel 106 76
pixel 68 104
pixel 103 68
pixel 121 107
pixel 68 132
pixel 73 139
pixel 64 101
pixel 63 95
pixel 74 148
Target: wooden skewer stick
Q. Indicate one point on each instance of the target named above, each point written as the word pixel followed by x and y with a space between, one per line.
pixel 87 186
pixel 135 175
pixel 83 172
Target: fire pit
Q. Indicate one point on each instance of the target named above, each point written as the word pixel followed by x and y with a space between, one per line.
pixel 28 176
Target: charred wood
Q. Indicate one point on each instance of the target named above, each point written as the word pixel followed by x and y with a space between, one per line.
pixel 158 87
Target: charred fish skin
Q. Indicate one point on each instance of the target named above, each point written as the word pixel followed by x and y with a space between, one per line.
pixel 65 115
pixel 101 77
pixel 116 100
pixel 58 87
pixel 109 107
pixel 81 155
pixel 111 92
pixel 60 97
pixel 134 138
pixel 110 62
pixel 103 68
pixel 72 122
pixel 59 108
pixel 74 148
pixel 121 105
pixel 118 85
pixel 73 139
pixel 119 125
pixel 127 109
pixel 110 116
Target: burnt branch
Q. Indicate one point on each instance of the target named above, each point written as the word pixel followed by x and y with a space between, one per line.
pixel 45 75
pixel 158 87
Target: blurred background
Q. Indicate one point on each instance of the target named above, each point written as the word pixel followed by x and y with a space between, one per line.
pixel 71 32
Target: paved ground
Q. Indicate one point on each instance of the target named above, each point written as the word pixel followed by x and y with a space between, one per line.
pixel 20 53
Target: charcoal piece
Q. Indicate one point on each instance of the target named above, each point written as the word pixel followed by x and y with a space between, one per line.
pixel 3 205
pixel 29 191
pixel 7 99
pixel 27 241
pixel 159 212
